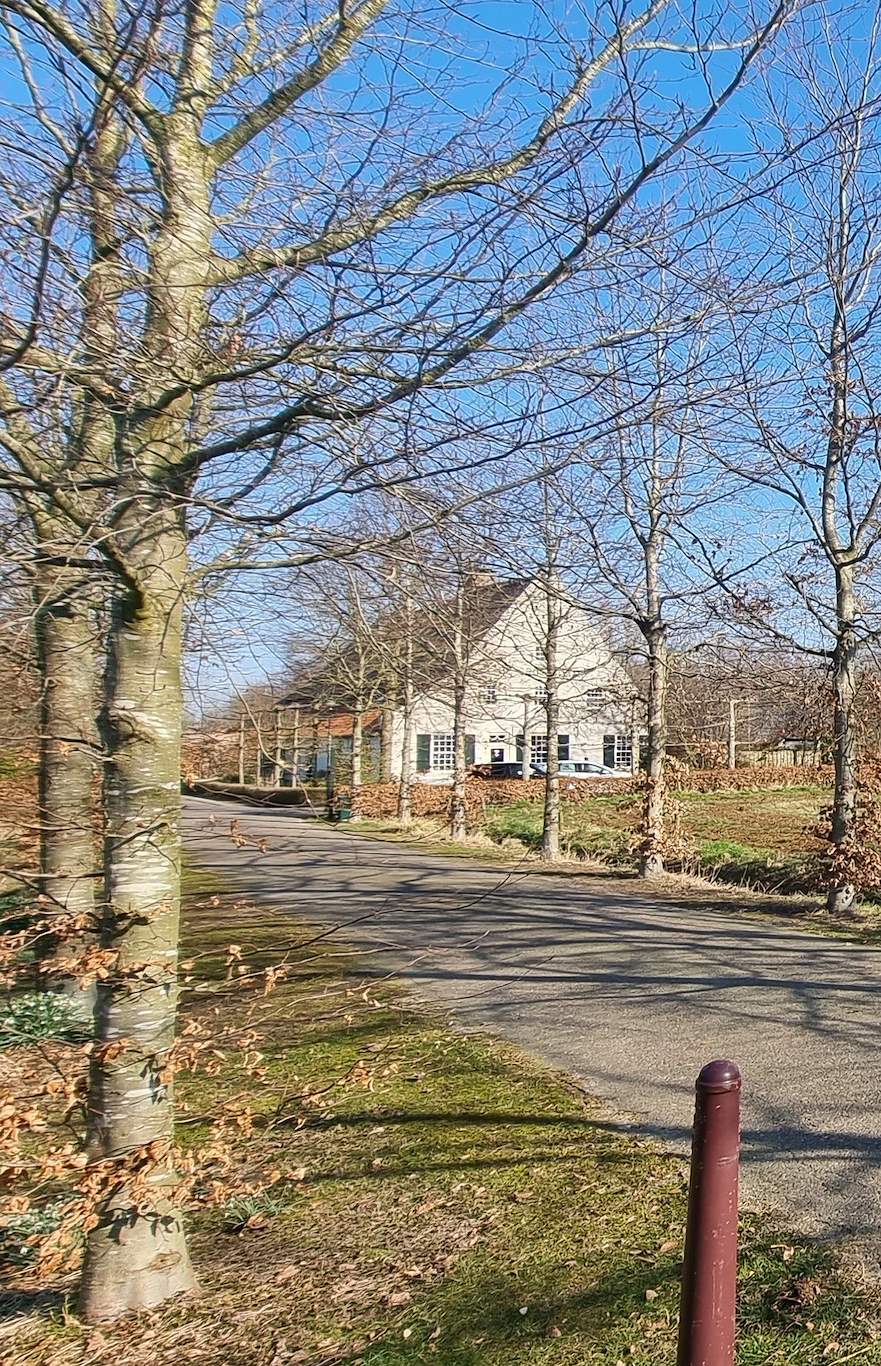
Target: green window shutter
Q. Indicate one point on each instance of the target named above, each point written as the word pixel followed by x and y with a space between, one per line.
pixel 609 751
pixel 562 746
pixel 469 749
pixel 423 753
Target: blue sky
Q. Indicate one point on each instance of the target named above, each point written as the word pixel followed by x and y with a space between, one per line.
pixel 459 78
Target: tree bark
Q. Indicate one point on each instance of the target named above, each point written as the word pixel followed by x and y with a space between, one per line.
pixel 550 838
pixel 524 774
pixel 385 751
pixel 258 752
pixel 841 895
pixel 65 636
pixel 357 756
pixel 277 765
pixel 651 859
pixel 137 1256
pixel 405 791
pixel 458 811
pixel 732 733
pixel 458 804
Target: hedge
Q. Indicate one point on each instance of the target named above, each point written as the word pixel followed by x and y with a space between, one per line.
pixel 246 793
pixel 380 800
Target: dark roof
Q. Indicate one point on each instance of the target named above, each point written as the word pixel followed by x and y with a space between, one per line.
pixel 486 601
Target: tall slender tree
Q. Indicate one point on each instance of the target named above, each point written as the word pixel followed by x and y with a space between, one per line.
pixel 213 276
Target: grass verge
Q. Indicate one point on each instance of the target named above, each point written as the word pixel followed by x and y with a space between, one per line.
pixel 408 1194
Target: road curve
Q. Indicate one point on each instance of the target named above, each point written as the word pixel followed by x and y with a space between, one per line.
pixel 629 993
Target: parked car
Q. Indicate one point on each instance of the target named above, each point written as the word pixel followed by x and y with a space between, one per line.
pixel 583 768
pixel 508 769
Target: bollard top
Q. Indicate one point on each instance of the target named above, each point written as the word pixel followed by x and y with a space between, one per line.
pixel 720 1075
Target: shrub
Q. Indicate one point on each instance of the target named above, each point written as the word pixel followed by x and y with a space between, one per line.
pixel 380 800
pixel 38 1016
pixel 22 1234
pixel 245 1210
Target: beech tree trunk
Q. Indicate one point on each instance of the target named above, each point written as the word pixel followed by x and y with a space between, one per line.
pixel 458 804
pixel 277 764
pixel 385 751
pixel 405 802
pixel 841 896
pixel 137 1256
pixel 65 636
pixel 651 859
pixel 357 757
pixel 458 816
pixel 550 839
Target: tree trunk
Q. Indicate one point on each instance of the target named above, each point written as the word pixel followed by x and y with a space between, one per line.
pixel 651 859
pixel 137 1256
pixel 357 757
pixel 405 791
pixel 550 838
pixel 841 896
pixel 458 815
pixel 258 752
pixel 242 750
pixel 732 733
pixel 295 749
pixel 65 636
pixel 385 750
pixel 458 804
pixel 525 751
pixel 277 766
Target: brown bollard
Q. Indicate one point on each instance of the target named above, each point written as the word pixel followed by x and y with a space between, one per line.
pixel 709 1276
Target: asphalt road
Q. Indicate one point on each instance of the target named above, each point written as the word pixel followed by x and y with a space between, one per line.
pixel 629 993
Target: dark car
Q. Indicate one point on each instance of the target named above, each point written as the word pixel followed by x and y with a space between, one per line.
pixel 508 769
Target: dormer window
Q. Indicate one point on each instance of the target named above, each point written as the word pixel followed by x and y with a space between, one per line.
pixel 490 693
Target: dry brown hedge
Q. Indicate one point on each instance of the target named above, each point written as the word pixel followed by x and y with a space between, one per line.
pixel 381 799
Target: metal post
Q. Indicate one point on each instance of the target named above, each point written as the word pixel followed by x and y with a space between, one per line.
pixel 709 1276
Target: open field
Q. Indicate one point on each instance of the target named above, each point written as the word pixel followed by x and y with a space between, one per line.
pixel 410 1194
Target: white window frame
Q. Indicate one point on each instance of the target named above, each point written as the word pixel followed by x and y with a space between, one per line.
pixel 538 748
pixel 442 753
pixel 488 693
pixel 623 751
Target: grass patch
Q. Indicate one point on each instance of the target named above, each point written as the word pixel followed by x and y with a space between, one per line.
pixel 587 830
pixel 751 839
pixel 412 1195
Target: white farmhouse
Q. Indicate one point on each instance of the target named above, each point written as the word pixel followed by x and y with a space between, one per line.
pixel 507 688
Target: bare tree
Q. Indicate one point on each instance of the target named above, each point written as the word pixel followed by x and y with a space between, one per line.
pixel 807 423
pixel 201 301
pixel 652 486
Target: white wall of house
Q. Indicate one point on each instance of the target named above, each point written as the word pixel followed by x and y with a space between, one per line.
pixel 507 678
